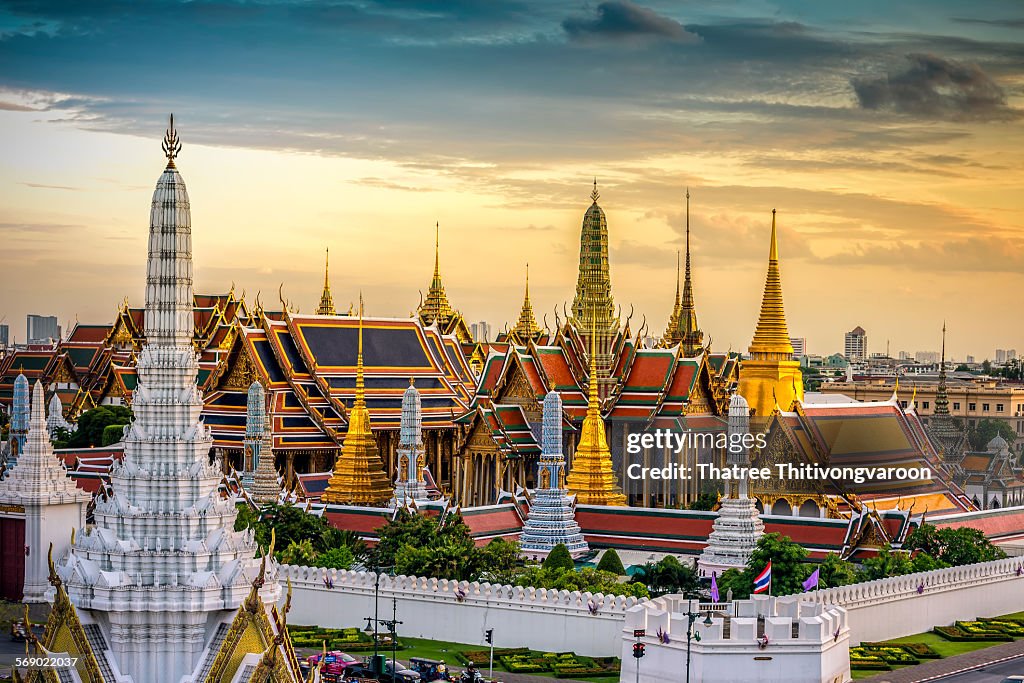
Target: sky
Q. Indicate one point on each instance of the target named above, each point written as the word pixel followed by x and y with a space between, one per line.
pixel 889 137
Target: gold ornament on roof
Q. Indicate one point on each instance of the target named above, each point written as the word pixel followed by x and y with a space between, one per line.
pixel 171 144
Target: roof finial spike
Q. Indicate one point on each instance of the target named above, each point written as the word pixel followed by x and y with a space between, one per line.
pixel 437 248
pixel 360 382
pixel 171 144
pixel 595 195
pixel 773 251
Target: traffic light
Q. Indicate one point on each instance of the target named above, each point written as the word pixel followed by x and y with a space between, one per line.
pixel 489 636
pixel 638 650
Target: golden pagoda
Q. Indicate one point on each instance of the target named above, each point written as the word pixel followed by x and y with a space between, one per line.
pixel 591 478
pixel 671 336
pixel 770 377
pixel 326 302
pixel 593 307
pixel 358 477
pixel 435 308
pixel 526 327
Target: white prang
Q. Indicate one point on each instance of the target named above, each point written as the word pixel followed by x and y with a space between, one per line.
pixel 162 568
pixel 409 484
pixel 735 531
pixel 52 503
pixel 552 519
pixel 55 417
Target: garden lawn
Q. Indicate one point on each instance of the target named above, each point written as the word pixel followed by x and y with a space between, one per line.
pixel 944 647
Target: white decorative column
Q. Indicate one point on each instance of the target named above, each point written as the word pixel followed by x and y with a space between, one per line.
pixel 409 484
pixel 738 525
pixel 53 505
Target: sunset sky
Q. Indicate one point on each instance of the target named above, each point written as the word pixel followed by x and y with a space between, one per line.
pixel 888 135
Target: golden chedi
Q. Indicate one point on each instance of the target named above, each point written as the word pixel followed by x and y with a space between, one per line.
pixel 359 477
pixel 770 377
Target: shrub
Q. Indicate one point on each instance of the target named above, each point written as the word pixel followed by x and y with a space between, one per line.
pixel 558 558
pixel 610 562
pixel 956 634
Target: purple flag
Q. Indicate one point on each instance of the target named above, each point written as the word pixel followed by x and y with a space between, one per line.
pixel 812 581
pixel 714 589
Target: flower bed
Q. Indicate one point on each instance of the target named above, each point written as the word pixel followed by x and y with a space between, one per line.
pixel 1011 627
pixel 890 654
pixel 918 650
pixel 860 659
pixel 346 639
pixel 479 657
pixel 957 634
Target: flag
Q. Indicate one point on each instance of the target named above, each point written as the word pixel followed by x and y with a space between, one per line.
pixel 714 589
pixel 763 581
pixel 812 580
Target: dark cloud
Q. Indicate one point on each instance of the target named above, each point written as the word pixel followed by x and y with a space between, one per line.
pixel 1003 23
pixel 936 88
pixel 624 20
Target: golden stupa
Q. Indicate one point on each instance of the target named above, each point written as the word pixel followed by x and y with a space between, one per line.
pixel 591 478
pixel 359 477
pixel 770 377
pixel 526 327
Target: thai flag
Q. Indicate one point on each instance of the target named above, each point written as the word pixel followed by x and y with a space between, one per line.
pixel 763 581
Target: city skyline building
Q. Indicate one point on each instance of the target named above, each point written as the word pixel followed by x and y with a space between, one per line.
pixel 855 345
pixel 41 328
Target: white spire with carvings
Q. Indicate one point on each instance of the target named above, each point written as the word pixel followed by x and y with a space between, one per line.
pixel 409 484
pixel 162 564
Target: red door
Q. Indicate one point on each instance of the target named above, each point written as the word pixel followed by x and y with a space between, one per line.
pixel 12 558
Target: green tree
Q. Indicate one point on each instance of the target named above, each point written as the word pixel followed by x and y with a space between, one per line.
pixel 405 529
pixel 112 434
pixel 298 553
pixel 499 561
pixel 558 558
pixel 290 524
pixel 953 546
pixel 705 501
pixel 985 430
pixel 93 422
pixel 61 437
pixel 789 567
pixel 736 581
pixel 886 563
pixel 610 562
pixel 335 558
pixel 835 571
pixel 668 575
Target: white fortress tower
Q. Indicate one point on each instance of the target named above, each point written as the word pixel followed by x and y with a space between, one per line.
pixel 738 526
pixel 158 579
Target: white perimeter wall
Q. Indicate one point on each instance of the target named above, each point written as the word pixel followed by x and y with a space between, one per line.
pixel 559 621
pixel 915 603
pixel 460 611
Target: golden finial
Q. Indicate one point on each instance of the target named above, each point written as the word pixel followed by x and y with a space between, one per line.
pixel 326 300
pixel 437 248
pixel 595 195
pixel 412 381
pixel 360 384
pixel 171 144
pixel 53 578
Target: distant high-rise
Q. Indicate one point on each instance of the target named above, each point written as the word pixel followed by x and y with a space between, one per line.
pixel 1000 355
pixel 481 331
pixel 926 356
pixel 970 359
pixel 856 346
pixel 1011 354
pixel 799 347
pixel 41 328
pixel 5 336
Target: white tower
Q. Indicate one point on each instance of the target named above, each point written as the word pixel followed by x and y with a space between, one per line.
pixel 738 526
pixel 409 485
pixel 162 572
pixel 53 505
pixel 552 519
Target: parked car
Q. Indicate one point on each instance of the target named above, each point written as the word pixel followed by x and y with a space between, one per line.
pixel 336 664
pixel 401 673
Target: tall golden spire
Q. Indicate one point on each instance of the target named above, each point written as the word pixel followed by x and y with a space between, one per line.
pixel 358 477
pixel 171 144
pixel 770 376
pixel 591 478
pixel 771 339
pixel 526 327
pixel 690 335
pixel 436 306
pixel 326 302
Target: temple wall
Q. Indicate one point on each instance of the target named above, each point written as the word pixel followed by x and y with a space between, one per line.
pixel 915 603
pixel 460 611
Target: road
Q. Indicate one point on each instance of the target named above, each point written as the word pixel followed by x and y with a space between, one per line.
pixel 993 673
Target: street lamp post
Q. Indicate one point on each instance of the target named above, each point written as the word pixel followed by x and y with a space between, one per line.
pixel 691 617
pixel 373 622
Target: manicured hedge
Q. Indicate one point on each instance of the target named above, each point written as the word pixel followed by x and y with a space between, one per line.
pixel 958 635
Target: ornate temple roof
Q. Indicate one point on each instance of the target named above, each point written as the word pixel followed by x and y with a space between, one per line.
pixel 326 306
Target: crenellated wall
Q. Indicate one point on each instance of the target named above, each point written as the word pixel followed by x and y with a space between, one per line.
pixel 460 611
pixel 915 603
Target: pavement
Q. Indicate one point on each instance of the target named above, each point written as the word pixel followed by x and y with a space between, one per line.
pixel 988 665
